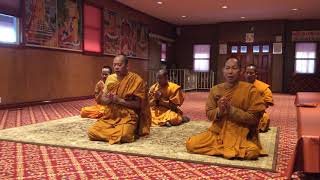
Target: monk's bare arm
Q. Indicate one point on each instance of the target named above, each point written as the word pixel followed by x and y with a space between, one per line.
pixel 131 104
pixel 174 101
pixel 98 98
pixel 151 94
pixel 168 104
pixel 241 116
pixel 104 99
pixel 98 91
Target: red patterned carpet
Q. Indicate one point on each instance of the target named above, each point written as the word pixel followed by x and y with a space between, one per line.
pixel 25 161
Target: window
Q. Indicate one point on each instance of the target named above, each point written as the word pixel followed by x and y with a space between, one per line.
pixel 163 52
pixel 234 49
pixel 305 57
pixel 9 29
pixel 265 48
pixel 243 49
pixel 256 49
pixel 201 57
pixel 92 28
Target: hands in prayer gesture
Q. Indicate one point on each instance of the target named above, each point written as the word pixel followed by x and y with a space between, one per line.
pixel 114 98
pixel 157 95
pixel 110 98
pixel 224 105
pixel 100 87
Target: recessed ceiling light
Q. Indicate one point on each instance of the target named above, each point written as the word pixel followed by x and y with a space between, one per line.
pixel 159 2
pixel 295 9
pixel 224 7
pixel 183 16
pixel 242 17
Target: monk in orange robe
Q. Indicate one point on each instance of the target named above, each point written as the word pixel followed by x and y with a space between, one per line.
pixel 265 92
pixel 165 98
pixel 97 111
pixel 234 107
pixel 127 114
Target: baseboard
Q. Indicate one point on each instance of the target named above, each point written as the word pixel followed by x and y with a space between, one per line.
pixel 33 103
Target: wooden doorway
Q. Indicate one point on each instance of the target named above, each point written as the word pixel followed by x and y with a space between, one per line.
pixel 258 54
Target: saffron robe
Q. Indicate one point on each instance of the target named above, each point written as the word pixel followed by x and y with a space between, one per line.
pixel 234 135
pixel 121 124
pixel 266 94
pixel 166 108
pixel 95 111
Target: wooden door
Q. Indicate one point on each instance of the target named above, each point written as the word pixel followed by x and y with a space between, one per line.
pixel 258 54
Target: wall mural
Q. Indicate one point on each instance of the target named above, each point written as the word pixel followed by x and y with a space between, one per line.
pixel 124 36
pixel 142 41
pixel 53 24
pixel 58 24
pixel 112 27
pixel 69 24
pixel 41 23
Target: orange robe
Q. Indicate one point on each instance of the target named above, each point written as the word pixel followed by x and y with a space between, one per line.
pixel 95 111
pixel 234 135
pixel 120 124
pixel 166 108
pixel 266 94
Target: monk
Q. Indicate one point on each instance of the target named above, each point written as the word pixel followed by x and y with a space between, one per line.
pixel 264 90
pixel 234 107
pixel 97 111
pixel 165 98
pixel 127 114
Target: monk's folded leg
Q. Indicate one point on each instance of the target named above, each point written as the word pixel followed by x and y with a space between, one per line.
pixel 100 131
pixel 84 113
pixel 204 143
pixel 92 111
pixel 162 116
pixel 264 123
pixel 128 133
pixel 175 119
pixel 252 151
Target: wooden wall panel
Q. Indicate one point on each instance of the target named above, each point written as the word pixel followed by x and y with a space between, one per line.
pixel 231 32
pixel 36 74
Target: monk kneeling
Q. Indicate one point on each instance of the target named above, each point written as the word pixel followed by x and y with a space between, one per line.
pixel 97 111
pixel 234 107
pixel 127 114
pixel 265 92
pixel 165 98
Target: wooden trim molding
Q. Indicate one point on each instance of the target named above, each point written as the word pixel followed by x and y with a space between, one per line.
pixel 33 103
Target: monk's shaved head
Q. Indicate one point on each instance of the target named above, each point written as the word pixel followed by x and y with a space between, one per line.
pixel 251 73
pixel 120 65
pixel 162 72
pixel 123 58
pixel 252 67
pixel 234 60
pixel 162 77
